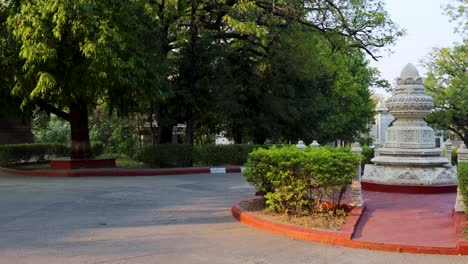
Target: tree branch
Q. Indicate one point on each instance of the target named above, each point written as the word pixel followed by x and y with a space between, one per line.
pixel 52 109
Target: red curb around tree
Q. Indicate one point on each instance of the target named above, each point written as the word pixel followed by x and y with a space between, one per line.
pixel 116 172
pixel 74 164
pixel 339 238
pixel 410 189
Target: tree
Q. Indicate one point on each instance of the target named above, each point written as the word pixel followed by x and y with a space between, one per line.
pixel 233 33
pixel 304 89
pixel 447 82
pixel 447 78
pixel 77 53
pixel 8 63
pixel 458 13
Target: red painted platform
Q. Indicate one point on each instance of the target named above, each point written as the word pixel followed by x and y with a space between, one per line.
pixel 75 164
pixel 398 222
pixel 407 219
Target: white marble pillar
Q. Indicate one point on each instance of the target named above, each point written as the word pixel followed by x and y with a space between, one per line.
pixel 315 144
pixel 462 157
pixel 448 150
pixel 356 189
pixel 300 144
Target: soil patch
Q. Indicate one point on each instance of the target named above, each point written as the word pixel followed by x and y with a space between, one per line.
pixel 322 221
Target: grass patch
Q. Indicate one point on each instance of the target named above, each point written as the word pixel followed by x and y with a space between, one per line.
pixel 316 220
pixel 126 162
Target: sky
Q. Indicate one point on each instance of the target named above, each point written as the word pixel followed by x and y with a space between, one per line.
pixel 426 27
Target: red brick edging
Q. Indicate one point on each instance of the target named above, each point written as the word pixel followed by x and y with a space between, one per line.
pixel 118 172
pixel 344 238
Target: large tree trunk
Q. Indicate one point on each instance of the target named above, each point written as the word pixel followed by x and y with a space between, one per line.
pixel 81 147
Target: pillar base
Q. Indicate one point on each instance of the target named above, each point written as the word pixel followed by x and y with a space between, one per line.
pixel 399 175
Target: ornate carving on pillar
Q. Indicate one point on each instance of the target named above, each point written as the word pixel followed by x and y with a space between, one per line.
pixel 409 155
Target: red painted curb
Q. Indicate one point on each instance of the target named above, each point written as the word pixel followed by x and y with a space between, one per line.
pixel 340 238
pixel 325 236
pixel 113 172
pixel 459 224
pixel 410 189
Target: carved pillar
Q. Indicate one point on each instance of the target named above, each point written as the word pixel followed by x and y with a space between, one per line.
pixel 448 150
pixel 356 189
pixel 462 157
pixel 300 144
pixel 315 144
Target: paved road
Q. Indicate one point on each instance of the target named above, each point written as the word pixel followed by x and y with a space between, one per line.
pixel 164 219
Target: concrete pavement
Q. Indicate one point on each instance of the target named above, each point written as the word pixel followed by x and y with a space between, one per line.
pixel 164 219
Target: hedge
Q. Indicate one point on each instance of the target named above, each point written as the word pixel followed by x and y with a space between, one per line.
pixel 180 155
pixel 16 153
pixel 26 152
pixel 298 181
pixel 462 171
pixel 167 155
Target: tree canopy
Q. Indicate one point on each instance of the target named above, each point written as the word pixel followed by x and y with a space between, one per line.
pixel 75 54
pixel 447 82
pixel 447 78
pixel 258 70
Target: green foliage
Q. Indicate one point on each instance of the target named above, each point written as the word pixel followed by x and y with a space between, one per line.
pixel 116 134
pixel 167 155
pixel 70 56
pixel 368 154
pixel 462 171
pixel 25 152
pixel 297 181
pixel 9 63
pixel 446 83
pixel 126 162
pixel 458 13
pixel 98 148
pixel 265 70
pixel 302 89
pixel 81 50
pixel 454 156
pixel 50 130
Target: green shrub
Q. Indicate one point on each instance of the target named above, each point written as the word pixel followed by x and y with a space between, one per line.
pixel 454 156
pixel 25 152
pixel 97 148
pixel 462 171
pixel 298 181
pixel 167 155
pixel 178 155
pixel 368 154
